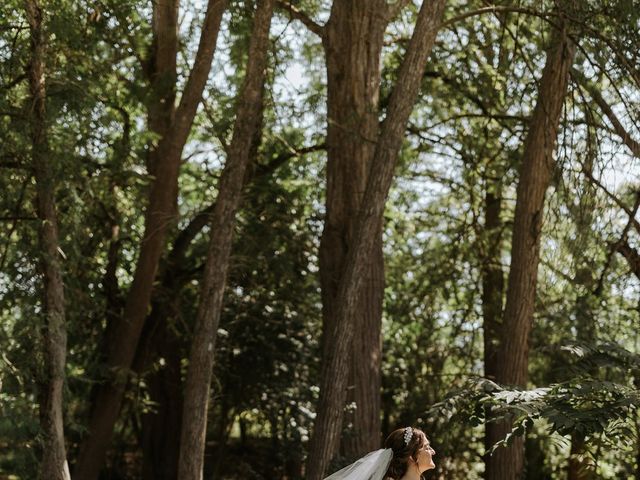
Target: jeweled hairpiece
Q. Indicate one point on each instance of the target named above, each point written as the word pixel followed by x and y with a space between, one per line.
pixel 408 433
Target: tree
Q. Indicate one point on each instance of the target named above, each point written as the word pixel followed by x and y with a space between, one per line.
pixel 334 368
pixel 535 174
pixel 352 41
pixel 164 162
pixel 54 462
pixel 114 75
pixel 247 126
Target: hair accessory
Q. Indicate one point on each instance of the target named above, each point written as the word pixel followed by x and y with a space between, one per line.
pixel 408 433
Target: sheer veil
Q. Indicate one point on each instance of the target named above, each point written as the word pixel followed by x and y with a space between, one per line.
pixel 372 466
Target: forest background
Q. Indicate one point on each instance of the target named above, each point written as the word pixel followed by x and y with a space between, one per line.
pixel 249 239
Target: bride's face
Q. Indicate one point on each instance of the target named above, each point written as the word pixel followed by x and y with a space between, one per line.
pixel 425 457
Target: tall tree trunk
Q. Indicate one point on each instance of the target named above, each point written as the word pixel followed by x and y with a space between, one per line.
pixel 160 442
pixel 492 280
pixel 160 213
pixel 353 42
pixel 335 371
pixel 493 284
pixel 54 461
pixel 584 217
pixel 247 123
pixel 535 173
pixel 492 295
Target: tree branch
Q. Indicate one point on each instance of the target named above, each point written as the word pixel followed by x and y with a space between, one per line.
pixel 17 218
pixel 498 9
pixel 199 74
pixel 615 246
pixel 9 85
pixel 14 164
pixel 616 200
pixel 197 223
pixel 297 14
pixel 626 137
pixel 277 162
pixel 632 256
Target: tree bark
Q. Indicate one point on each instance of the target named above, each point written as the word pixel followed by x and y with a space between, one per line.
pixel 160 213
pixel 334 375
pixel 353 43
pixel 247 123
pixel 492 296
pixel 54 460
pixel 160 441
pixel 493 284
pixel 535 174
pixel 492 276
pixel 161 72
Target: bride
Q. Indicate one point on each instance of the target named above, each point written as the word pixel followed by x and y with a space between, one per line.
pixel 407 454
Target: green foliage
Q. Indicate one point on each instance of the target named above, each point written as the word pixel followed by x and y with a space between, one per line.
pixel 601 410
pixel 464 141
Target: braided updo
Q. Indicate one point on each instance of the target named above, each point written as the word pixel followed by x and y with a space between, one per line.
pixel 404 453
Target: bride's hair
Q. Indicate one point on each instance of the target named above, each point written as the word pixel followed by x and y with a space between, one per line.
pixel 405 444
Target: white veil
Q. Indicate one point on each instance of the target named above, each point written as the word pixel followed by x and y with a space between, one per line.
pixel 372 466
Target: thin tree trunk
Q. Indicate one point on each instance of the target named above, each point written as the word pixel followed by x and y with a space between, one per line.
pixel 161 212
pixel 492 296
pixel 353 43
pixel 493 284
pixel 54 461
pixel 492 279
pixel 584 215
pixel 334 375
pixel 535 174
pixel 248 121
